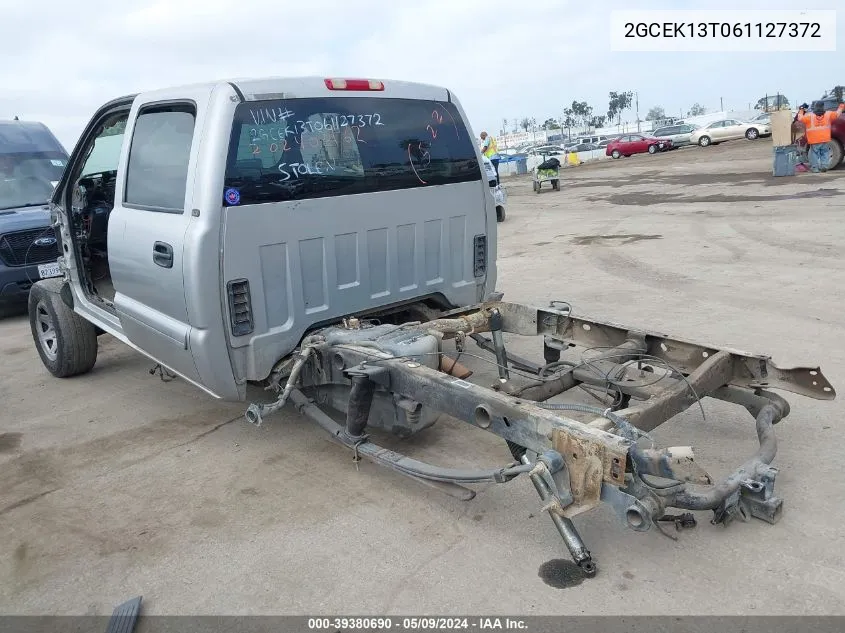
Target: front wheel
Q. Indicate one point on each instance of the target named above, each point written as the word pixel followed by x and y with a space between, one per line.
pixel 616 153
pixel 752 134
pixel 652 149
pixel 500 214
pixel 704 141
pixel 66 343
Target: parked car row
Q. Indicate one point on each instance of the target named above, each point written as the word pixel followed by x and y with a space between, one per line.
pixel 661 139
pixel 673 136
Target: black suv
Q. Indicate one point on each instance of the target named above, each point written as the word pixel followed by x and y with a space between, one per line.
pixel 31 162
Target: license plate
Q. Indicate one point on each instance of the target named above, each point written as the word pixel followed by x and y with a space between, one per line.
pixel 49 270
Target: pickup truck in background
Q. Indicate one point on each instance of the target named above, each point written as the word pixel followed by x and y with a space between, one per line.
pixel 31 162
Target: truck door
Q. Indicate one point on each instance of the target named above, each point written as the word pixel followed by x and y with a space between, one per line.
pixel 147 232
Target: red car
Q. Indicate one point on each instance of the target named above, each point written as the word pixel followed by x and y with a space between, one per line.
pixel 636 144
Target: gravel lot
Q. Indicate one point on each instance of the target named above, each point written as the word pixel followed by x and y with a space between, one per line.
pixel 116 484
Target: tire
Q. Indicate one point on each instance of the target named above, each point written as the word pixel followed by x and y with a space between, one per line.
pixel 836 154
pixel 500 214
pixel 704 141
pixel 536 186
pixel 66 343
pixel 652 149
pixel 556 185
pixel 752 134
pixel 616 154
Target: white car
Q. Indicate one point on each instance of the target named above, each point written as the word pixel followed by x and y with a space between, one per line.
pixel 499 194
pixel 728 130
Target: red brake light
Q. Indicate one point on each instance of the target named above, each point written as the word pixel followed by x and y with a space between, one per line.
pixel 354 84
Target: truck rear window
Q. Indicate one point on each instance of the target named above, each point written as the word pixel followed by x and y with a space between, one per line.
pixel 294 149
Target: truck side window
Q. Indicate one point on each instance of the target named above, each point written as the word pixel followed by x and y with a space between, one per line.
pixel 157 174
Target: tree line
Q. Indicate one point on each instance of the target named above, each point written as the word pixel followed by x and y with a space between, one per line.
pixel 580 114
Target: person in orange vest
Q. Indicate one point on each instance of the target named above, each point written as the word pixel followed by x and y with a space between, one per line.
pixel 818 136
pixel 841 108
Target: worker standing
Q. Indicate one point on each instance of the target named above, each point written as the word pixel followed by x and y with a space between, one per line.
pixel 491 151
pixel 818 135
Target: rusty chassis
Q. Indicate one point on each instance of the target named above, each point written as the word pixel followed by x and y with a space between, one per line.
pixel 573 465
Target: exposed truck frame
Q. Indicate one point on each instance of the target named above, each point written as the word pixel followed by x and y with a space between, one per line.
pixel 573 465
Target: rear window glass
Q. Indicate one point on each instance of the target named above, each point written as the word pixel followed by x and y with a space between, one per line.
pixel 312 148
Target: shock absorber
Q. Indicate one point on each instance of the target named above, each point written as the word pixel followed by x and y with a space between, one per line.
pixel 496 325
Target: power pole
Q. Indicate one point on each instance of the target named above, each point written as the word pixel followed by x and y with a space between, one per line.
pixel 637 100
pixel 721 105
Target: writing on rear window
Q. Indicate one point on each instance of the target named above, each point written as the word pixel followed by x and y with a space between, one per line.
pixel 419 155
pixel 305 148
pixel 295 170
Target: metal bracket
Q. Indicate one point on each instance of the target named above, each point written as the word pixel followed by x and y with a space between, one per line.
pixel 379 375
pixel 551 469
pixel 460 337
pixel 634 513
pixel 731 508
pixel 759 498
pixel 754 497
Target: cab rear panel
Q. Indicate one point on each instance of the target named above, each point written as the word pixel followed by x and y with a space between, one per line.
pixel 344 203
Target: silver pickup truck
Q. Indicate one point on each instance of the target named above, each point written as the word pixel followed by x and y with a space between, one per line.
pixel 334 241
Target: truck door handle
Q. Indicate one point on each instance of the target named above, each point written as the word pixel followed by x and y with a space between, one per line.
pixel 163 254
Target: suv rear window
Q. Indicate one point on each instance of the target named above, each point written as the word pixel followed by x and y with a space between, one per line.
pixel 294 149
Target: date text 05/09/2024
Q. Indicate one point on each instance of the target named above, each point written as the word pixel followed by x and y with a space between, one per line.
pixel 427 623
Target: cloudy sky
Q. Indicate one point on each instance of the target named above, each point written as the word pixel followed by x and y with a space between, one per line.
pixel 503 58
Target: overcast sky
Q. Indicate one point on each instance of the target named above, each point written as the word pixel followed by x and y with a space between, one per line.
pixel 503 58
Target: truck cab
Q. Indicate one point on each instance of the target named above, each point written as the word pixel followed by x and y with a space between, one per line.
pixel 211 226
